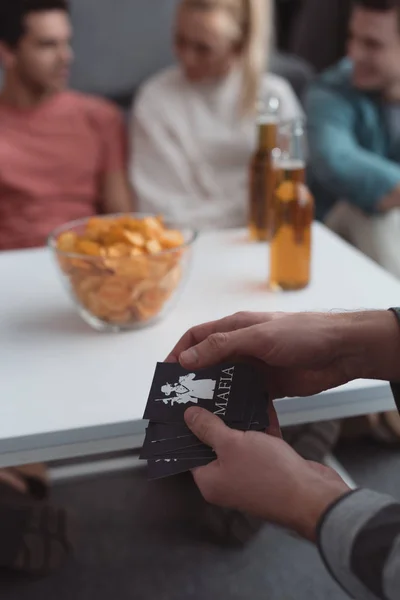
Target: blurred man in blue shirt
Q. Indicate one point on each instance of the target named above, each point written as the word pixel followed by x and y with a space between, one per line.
pixel 354 135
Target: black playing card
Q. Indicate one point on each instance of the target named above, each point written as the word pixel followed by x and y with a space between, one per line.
pixel 198 450
pixel 248 417
pixel 189 443
pixel 260 413
pixel 160 432
pixel 167 431
pixel 258 427
pixel 160 468
pixel 159 448
pixel 224 390
pixel 192 453
pixel 256 414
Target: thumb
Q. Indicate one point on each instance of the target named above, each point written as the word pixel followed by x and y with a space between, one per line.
pixel 206 426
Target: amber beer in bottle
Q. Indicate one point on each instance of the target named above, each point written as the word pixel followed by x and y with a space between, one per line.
pixel 262 174
pixel 291 245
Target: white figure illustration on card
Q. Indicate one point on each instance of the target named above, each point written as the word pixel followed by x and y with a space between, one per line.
pixel 189 389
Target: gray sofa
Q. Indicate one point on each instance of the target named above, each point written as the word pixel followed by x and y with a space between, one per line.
pixel 319 33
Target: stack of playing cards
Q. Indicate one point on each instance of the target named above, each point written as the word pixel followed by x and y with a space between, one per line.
pixel 234 392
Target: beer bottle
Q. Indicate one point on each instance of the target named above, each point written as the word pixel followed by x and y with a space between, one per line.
pixel 262 182
pixel 290 255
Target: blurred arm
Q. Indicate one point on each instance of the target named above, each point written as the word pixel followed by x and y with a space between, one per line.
pixel 337 160
pixel 359 540
pixel 359 536
pixel 115 192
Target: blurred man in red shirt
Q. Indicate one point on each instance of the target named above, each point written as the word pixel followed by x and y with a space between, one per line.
pixel 62 153
pixel 62 157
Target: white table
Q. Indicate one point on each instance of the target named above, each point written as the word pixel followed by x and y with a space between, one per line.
pixel 68 391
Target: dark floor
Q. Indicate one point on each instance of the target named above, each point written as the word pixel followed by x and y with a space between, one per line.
pixel 143 541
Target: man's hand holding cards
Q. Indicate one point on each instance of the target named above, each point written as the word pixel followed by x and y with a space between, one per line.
pixel 235 392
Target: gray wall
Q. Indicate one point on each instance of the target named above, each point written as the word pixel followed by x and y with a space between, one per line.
pixel 119 43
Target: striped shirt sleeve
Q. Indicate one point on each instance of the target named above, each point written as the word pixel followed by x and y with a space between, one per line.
pixel 396 386
pixel 359 540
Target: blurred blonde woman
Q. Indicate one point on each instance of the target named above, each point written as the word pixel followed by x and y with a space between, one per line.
pixel 193 128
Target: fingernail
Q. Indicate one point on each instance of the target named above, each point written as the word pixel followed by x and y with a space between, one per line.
pixel 191 415
pixel 189 357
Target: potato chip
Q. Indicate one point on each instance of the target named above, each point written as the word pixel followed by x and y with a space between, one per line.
pixel 95 228
pixel 172 259
pixel 115 295
pixel 171 239
pixel 118 250
pixel 89 248
pixel 81 264
pixel 153 247
pixel 98 225
pixel 135 238
pixel 89 284
pixel 136 252
pixel 150 305
pixel 153 227
pixel 152 300
pixel 95 305
pixel 67 241
pixel 171 281
pixel 139 288
pixel 158 267
pixel 114 235
pixel 130 223
pixel 136 268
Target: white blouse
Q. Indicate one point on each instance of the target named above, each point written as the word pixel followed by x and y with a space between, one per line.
pixel 191 151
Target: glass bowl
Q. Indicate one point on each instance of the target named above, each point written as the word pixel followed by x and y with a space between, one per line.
pixel 121 293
